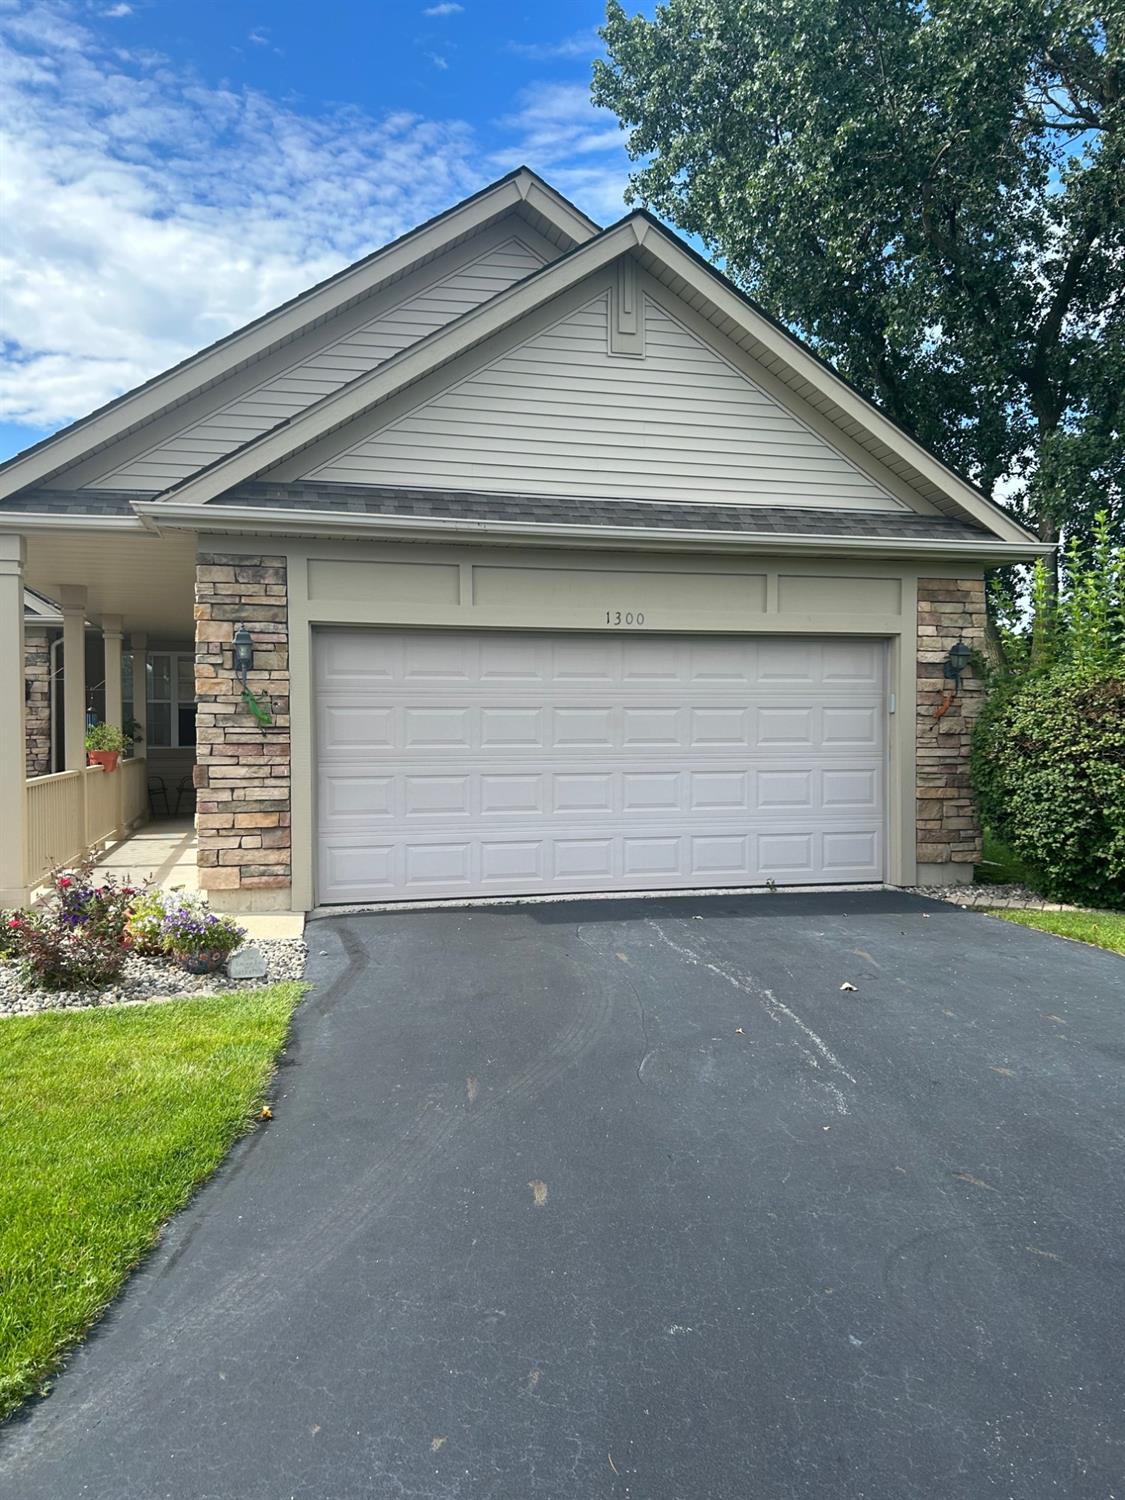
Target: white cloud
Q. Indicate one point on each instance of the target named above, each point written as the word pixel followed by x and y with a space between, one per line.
pixel 557 120
pixel 147 214
pixel 581 44
pixel 437 60
pixel 446 9
pixel 115 12
pixel 260 37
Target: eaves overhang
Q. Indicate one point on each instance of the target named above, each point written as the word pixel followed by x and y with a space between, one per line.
pixel 165 515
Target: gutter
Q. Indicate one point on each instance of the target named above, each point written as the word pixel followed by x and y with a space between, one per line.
pixel 172 516
pixel 20 521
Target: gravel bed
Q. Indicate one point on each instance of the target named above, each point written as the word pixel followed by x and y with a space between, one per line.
pixel 145 979
pixel 1018 897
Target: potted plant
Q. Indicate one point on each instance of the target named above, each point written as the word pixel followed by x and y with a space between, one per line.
pixel 104 744
pixel 200 941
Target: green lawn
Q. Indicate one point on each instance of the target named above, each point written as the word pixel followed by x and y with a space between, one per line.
pixel 109 1120
pixel 1104 929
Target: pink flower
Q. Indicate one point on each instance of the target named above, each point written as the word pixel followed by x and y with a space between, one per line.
pixel 14 922
pixel 64 881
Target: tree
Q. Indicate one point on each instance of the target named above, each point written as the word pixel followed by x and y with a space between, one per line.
pixel 932 194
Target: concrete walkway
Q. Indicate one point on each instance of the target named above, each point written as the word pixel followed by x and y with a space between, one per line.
pixel 163 853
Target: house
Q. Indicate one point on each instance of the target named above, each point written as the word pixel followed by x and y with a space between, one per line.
pixel 563 566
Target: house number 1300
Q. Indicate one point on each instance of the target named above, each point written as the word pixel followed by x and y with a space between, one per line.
pixel 623 617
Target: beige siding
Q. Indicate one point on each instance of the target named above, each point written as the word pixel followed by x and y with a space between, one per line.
pixel 325 371
pixel 561 415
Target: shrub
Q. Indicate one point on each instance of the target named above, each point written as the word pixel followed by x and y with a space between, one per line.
pixel 56 955
pixel 1049 770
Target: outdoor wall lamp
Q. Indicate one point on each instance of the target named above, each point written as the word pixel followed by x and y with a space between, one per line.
pixel 243 654
pixel 958 659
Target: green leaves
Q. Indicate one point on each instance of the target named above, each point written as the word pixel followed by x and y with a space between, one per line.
pixel 1049 770
pixel 932 195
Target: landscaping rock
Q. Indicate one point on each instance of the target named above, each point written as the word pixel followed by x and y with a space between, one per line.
pixel 148 979
pixel 247 963
pixel 1017 897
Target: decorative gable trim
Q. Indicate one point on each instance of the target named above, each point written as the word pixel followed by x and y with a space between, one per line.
pixel 626 311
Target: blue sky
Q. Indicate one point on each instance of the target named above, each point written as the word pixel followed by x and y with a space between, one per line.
pixel 170 170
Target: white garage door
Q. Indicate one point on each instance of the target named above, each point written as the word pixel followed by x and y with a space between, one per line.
pixel 489 763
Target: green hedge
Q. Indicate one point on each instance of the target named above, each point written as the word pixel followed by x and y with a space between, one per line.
pixel 1049 770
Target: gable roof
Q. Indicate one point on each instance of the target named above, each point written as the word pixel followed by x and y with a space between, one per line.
pixel 702 287
pixel 708 294
pixel 545 208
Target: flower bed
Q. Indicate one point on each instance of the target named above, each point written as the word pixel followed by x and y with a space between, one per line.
pixel 101 944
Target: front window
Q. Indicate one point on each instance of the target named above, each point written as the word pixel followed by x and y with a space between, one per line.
pixel 171 698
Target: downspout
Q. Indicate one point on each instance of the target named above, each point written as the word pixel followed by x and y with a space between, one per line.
pixel 54 665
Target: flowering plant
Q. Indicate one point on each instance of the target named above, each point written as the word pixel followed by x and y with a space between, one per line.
pixel 100 911
pixel 188 932
pixel 144 926
pixel 10 923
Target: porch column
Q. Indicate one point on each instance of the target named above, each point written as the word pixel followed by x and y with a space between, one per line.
pixel 138 642
pixel 13 770
pixel 72 597
pixel 111 643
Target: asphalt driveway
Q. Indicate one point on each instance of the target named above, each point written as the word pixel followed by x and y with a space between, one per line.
pixel 631 1199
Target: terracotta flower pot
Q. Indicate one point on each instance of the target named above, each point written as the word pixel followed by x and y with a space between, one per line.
pixel 209 961
pixel 107 759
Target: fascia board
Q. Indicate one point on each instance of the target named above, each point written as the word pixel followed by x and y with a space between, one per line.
pixel 172 515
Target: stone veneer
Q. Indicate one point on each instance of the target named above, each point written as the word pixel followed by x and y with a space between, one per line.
pixel 242 768
pixel 37 711
pixel 948 833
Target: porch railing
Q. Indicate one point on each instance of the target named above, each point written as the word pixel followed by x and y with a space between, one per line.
pixel 74 811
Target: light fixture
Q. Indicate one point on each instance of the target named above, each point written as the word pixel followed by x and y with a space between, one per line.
pixel 958 659
pixel 243 653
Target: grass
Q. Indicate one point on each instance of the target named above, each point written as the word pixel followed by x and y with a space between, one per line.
pixel 109 1121
pixel 1102 929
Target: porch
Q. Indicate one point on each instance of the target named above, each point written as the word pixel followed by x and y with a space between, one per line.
pixel 118 649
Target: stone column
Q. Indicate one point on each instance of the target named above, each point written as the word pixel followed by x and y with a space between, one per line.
pixel 948 832
pixel 72 597
pixel 242 767
pixel 37 678
pixel 111 645
pixel 13 784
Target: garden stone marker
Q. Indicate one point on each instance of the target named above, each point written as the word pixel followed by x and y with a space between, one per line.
pixel 247 963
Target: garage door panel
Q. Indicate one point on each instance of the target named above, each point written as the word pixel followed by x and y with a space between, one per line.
pixel 789 725
pixel 461 764
pixel 784 789
pixel 360 795
pixel 854 725
pixel 505 795
pixel 848 849
pixel 854 789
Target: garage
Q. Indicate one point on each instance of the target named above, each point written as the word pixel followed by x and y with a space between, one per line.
pixel 493 763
